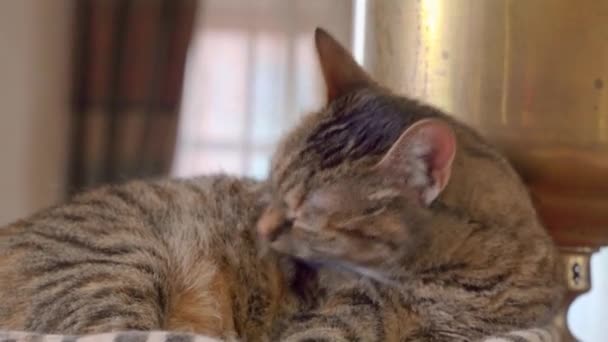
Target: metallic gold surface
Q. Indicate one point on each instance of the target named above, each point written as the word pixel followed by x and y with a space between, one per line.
pixel 532 76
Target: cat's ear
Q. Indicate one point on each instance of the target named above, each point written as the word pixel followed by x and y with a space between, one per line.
pixel 340 71
pixel 422 156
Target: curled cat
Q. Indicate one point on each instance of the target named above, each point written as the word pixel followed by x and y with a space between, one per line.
pixel 398 192
pixel 387 221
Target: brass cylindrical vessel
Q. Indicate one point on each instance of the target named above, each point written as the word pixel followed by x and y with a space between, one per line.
pixel 532 76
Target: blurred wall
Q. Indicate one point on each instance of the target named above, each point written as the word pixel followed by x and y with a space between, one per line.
pixel 35 44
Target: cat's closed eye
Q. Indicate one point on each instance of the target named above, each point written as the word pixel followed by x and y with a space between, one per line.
pixel 283 227
pixel 374 209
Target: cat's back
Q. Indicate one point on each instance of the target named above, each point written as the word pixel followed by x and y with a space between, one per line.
pixel 204 210
pixel 130 256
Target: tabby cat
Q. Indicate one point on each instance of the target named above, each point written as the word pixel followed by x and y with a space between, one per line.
pixel 435 221
pixel 385 221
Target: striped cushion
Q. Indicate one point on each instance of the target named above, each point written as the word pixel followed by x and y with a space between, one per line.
pixel 550 334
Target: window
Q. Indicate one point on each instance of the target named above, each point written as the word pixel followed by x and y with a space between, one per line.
pixel 252 71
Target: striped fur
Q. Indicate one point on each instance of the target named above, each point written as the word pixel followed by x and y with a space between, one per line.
pixel 166 255
pixel 126 336
pixel 353 254
pixel 547 334
pixel 419 229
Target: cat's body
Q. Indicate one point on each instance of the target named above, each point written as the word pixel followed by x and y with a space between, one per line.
pixel 173 255
pixel 407 225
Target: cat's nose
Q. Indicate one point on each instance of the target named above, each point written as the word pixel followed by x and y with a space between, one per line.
pixel 272 223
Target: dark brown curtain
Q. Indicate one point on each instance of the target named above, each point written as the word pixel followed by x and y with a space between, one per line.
pixel 129 60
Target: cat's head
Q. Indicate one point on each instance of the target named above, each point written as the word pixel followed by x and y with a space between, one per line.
pixel 351 184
